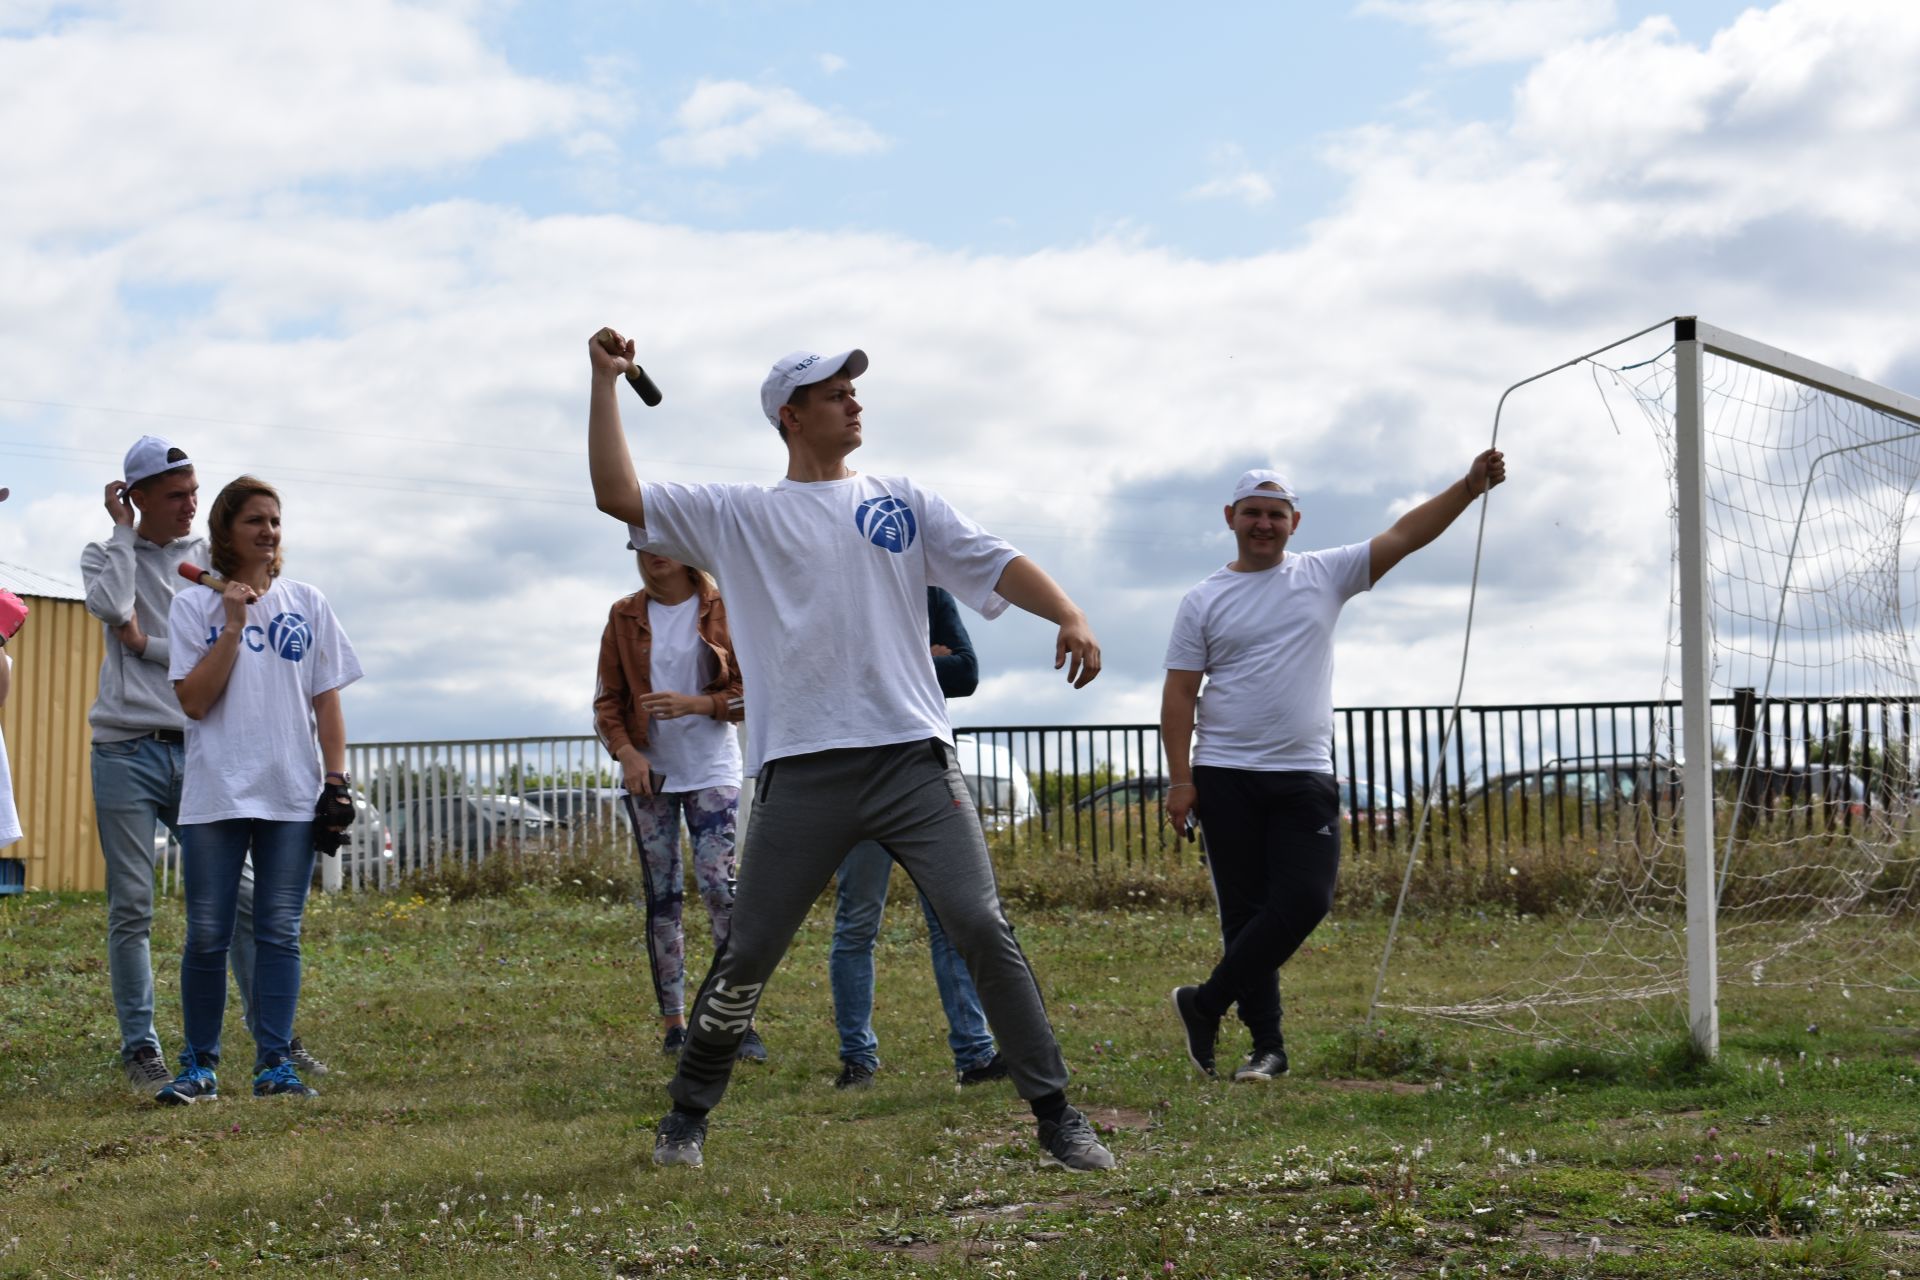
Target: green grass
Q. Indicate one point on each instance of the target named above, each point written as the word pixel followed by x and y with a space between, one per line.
pixel 500 1075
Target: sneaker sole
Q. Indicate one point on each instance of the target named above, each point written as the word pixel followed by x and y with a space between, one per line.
pixel 1255 1077
pixel 180 1100
pixel 1203 1068
pixel 670 1157
pixel 1050 1161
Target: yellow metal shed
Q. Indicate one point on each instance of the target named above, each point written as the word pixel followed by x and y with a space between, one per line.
pixel 56 673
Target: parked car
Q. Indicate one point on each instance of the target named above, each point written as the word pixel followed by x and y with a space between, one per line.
pixel 1371 803
pixel 996 781
pixel 1797 786
pixel 369 846
pixel 470 824
pixel 583 806
pixel 1590 780
pixel 1144 789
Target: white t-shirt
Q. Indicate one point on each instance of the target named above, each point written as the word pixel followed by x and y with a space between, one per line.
pixel 9 816
pixel 256 754
pixel 1265 641
pixel 826 590
pixel 694 752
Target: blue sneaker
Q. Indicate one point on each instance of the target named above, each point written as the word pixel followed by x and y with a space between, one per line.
pixel 195 1083
pixel 279 1079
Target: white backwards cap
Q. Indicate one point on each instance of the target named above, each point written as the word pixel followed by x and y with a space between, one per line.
pixel 1250 482
pixel 150 456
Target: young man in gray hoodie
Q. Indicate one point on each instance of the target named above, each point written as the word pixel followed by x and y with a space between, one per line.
pixel 139 741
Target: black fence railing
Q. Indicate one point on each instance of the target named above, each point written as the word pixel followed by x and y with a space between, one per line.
pixel 1513 775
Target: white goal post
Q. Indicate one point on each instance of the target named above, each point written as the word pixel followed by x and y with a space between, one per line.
pixel 1691 340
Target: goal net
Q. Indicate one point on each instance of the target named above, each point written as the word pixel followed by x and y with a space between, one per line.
pixel 1769 843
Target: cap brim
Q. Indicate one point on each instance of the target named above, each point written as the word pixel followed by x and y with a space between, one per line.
pixel 851 363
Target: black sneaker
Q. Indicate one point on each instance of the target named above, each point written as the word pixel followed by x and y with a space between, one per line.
pixel 678 1139
pixel 1070 1144
pixel 676 1041
pixel 1201 1030
pixel 305 1062
pixel 854 1075
pixel 195 1083
pixel 1262 1064
pixel 994 1068
pixel 147 1071
pixel 751 1047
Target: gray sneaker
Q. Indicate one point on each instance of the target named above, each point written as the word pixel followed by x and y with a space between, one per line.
pixel 305 1063
pixel 1070 1144
pixel 147 1072
pixel 678 1139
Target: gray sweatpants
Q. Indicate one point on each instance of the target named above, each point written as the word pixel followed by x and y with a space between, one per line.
pixel 808 811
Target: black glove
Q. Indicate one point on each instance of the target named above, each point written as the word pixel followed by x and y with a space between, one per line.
pixel 332 816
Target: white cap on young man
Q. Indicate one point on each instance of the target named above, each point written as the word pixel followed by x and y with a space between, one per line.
pixel 150 456
pixel 803 369
pixel 1249 487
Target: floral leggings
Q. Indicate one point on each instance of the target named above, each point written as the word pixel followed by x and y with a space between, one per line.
pixel 710 815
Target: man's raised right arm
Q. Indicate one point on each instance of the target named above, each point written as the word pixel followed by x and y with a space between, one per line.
pixel 616 490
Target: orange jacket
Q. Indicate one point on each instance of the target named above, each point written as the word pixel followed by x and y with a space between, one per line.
pixel 625 649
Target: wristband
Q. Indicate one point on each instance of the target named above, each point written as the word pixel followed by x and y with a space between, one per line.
pixel 342 778
pixel 1175 786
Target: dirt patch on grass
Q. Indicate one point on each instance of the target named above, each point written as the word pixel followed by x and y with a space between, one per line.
pixel 1555 1241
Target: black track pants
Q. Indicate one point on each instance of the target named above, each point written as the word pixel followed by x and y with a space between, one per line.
pixel 1273 844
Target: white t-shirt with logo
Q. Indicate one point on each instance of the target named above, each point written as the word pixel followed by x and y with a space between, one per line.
pixel 693 752
pixel 256 753
pixel 1265 641
pixel 9 816
pixel 826 590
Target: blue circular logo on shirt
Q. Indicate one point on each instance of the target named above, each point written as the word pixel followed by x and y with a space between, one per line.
pixel 886 522
pixel 290 636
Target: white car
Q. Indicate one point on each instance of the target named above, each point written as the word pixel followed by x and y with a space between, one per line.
pixel 996 781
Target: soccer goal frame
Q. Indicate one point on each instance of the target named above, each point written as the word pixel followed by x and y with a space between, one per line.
pixel 1693 340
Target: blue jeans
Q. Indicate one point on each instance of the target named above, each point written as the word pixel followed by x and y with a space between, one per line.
pixel 858 904
pixel 214 859
pixel 136 787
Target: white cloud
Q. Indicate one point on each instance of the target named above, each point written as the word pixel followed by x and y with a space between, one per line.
pixel 114 121
pixel 1479 31
pixel 726 120
pixel 1234 178
pixel 832 63
pixel 1087 400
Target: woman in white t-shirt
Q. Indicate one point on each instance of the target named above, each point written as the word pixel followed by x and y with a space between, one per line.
pixel 667 698
pixel 258 667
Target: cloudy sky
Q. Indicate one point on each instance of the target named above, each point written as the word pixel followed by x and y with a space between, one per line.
pixel 1103 258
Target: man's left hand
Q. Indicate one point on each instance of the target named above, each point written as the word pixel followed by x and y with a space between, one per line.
pixel 1488 470
pixel 1076 641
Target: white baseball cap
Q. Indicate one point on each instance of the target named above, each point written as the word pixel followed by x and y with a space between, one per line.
pixel 1250 482
pixel 802 369
pixel 150 456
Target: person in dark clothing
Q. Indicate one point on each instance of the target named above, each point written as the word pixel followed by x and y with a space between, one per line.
pixel 862 898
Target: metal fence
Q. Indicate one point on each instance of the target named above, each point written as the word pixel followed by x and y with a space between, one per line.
pixel 1550 773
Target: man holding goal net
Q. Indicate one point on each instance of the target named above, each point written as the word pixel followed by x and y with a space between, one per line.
pixel 1261 777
